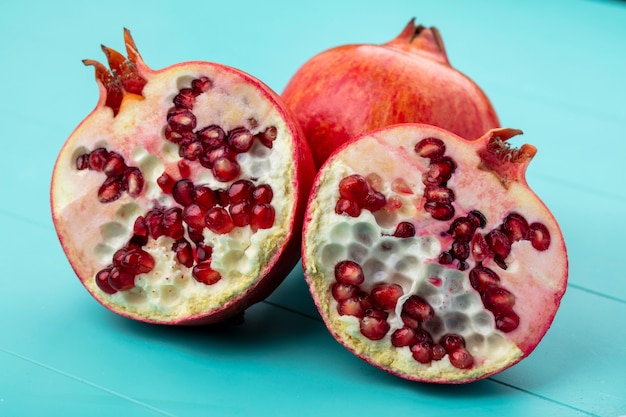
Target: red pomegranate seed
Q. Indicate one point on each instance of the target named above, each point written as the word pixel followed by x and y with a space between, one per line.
pixel 240 140
pixel 351 307
pixel 183 192
pixel 385 296
pixel 439 171
pixel 515 227
pixel 263 194
pixel 439 211
pixel 194 216
pixel 507 321
pixel 351 208
pixel 203 252
pixel 418 308
pixel 404 229
pixel 178 137
pixel 192 150
pixel 409 321
pixel 374 201
pixel 121 280
pixel 462 228
pixel 430 148
pixel 240 189
pixel 438 352
pixel 218 220
pixel 225 170
pixel 185 99
pixel 140 227
pixel 263 216
pixel 183 169
pixel 539 236
pixel 212 137
pixel 154 221
pixel 203 273
pixel 404 336
pixel 82 161
pixel 114 165
pixel 479 248
pixel 460 250
pixel 184 252
pixel 422 335
pixel 422 352
pixel 240 212
pixel 438 194
pixel 499 243
pixel 97 158
pixel 173 223
pixel 204 197
pixel 498 299
pixel 341 292
pixel 201 85
pixel 483 278
pixel 451 342
pixel 268 136
pixel 102 280
pixel 110 190
pixel 166 183
pixel 349 272
pixel 137 261
pixel 445 258
pixel 183 120
pixel 132 181
pixel 477 218
pixel 461 358
pixel 353 188
pixel 195 235
pixel 374 328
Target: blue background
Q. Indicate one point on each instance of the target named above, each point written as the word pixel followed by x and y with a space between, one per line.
pixel 555 69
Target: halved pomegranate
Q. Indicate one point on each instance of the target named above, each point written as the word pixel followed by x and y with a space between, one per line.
pixel 180 198
pixel 428 255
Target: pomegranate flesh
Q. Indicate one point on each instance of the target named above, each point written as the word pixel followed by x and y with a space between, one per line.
pixel 179 199
pixel 352 89
pixel 456 275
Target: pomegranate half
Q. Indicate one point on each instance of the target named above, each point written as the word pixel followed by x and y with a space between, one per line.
pixel 352 89
pixel 179 199
pixel 428 255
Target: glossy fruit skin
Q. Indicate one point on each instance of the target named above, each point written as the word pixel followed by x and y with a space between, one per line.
pixel 117 103
pixel 351 89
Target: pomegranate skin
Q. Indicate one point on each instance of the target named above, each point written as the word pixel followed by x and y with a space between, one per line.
pixel 489 187
pixel 131 121
pixel 351 89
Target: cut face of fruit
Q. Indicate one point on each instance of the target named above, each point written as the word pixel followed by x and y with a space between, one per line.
pixel 179 199
pixel 455 274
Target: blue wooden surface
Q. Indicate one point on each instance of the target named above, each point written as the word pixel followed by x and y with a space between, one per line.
pixel 555 69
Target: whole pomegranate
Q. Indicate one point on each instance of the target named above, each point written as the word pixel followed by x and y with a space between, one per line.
pixel 428 255
pixel 180 198
pixel 352 89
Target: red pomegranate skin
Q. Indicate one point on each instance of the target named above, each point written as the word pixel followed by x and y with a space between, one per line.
pixel 352 89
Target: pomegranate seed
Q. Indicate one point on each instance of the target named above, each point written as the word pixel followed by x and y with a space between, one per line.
pixel 349 272
pixel 185 99
pixel 351 208
pixel 178 137
pixel 460 250
pixel 110 190
pixel 451 342
pixel 218 221
pixel 263 216
pixel 400 186
pixel 351 307
pixel 240 140
pixel 240 212
pixel 438 352
pixel 499 244
pixel 191 151
pixel 439 194
pixel 195 234
pixel 268 136
pixel 498 299
pixel 404 229
pixel 154 221
pixel 375 181
pixel 409 321
pixel 462 266
pixel 263 194
pixel 479 248
pixel 82 161
pixel 374 328
pixel 194 216
pixel 240 189
pixel 173 223
pixel 462 229
pixel 483 278
pixel 353 188
pixel 183 192
pixel 507 321
pixel 184 253
pixel 416 307
pixel 203 252
pixel 121 280
pixel 404 336
pixel 461 358
pixel 386 296
pixel 114 165
pixel 439 211
pixel 439 172
pixel 393 203
pixel 137 261
pixel 102 280
pixel 132 181
pixel 445 258
pixel 539 236
pixel 430 148
pixel 477 218
pixel 97 158
pixel 183 169
pixel 342 291
pixel 422 335
pixel 515 227
pixel 204 197
pixel 140 227
pixel 182 121
pixel 225 170
pixel 201 85
pixel 374 201
pixel 212 137
pixel 422 352
pixel 166 182
pixel 203 273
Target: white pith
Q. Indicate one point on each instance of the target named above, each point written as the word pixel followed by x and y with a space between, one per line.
pixel 330 238
pixel 93 231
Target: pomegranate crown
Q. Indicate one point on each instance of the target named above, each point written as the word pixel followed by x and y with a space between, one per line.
pixel 422 40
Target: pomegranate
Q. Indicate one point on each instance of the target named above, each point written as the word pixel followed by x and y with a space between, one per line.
pixel 352 89
pixel 180 198
pixel 429 256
